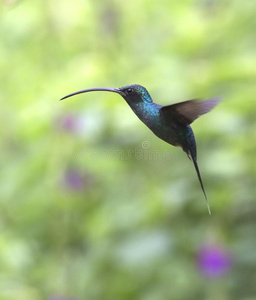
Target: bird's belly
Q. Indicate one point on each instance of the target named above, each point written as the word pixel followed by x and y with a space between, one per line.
pixel 169 134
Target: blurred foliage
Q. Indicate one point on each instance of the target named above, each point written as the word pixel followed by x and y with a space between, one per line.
pixel 86 211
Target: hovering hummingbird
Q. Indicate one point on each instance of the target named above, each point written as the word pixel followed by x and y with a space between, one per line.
pixel 170 123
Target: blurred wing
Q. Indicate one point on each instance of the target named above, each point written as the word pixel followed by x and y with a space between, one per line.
pixel 188 111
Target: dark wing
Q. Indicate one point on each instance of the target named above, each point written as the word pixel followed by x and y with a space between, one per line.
pixel 188 111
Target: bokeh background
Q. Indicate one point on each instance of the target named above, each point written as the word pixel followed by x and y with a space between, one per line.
pixel 92 204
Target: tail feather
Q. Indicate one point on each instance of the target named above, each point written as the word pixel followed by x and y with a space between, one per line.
pixel 201 183
pixel 190 148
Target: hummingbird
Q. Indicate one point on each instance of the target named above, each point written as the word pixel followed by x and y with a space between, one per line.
pixel 170 123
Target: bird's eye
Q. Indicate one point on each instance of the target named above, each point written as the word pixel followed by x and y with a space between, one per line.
pixel 129 90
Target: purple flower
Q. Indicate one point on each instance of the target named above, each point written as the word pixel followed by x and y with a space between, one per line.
pixel 70 123
pixel 214 260
pixel 75 180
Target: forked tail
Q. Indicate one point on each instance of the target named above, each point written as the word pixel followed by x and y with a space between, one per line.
pixel 201 182
pixel 190 149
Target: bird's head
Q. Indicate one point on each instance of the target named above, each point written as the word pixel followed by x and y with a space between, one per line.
pixel 134 94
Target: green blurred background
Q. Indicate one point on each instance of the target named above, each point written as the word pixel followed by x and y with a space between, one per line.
pixel 92 204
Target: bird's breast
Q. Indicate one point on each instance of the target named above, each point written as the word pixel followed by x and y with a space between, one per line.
pixel 150 115
pixel 169 132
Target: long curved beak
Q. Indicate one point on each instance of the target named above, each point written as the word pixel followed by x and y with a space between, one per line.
pixel 113 90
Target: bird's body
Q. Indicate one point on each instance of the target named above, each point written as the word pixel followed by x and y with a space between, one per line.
pixel 150 114
pixel 170 123
pixel 170 132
